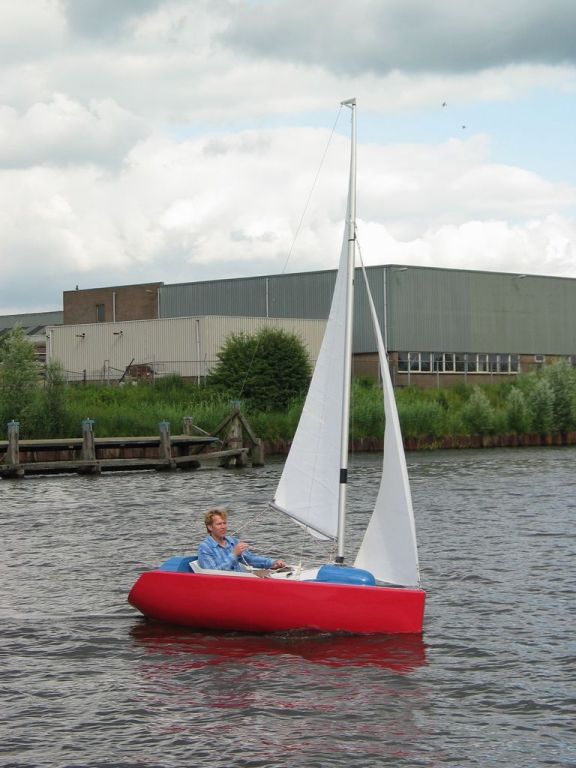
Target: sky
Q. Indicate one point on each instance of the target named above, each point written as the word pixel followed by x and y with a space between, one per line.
pixel 186 140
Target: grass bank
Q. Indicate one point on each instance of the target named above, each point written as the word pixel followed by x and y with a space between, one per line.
pixel 541 404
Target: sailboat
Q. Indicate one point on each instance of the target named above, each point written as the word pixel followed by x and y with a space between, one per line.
pixel 381 591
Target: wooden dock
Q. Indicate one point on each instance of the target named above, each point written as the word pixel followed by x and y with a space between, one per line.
pixel 163 452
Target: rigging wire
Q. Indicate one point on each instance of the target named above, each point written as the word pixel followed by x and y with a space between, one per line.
pixel 297 233
pixel 311 192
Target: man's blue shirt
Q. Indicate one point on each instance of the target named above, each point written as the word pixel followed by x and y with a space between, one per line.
pixel 222 558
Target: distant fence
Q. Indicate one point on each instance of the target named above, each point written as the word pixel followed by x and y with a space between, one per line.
pixel 143 371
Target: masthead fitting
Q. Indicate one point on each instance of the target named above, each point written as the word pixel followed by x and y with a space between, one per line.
pixel 348 102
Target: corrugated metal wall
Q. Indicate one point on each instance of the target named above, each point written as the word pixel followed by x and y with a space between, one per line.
pixel 291 296
pixel 187 345
pixel 303 295
pixel 244 297
pixel 437 310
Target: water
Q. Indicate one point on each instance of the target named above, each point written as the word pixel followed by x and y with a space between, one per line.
pixel 86 682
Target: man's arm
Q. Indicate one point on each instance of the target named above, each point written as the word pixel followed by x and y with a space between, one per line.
pixel 256 561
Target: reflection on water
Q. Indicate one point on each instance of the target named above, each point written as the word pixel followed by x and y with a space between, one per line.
pixel 399 653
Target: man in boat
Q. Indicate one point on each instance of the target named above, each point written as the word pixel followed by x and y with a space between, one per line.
pixel 225 553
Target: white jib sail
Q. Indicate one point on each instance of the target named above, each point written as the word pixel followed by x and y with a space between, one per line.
pixel 389 547
pixel 308 488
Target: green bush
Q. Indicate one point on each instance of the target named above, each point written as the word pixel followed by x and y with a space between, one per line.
pixel 478 416
pixel 422 419
pixel 560 377
pixel 517 415
pixel 541 407
pixel 268 369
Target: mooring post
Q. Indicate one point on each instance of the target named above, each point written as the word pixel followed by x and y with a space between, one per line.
pixel 165 447
pixel 88 452
pixel 13 452
pixel 88 445
pixel 235 437
pixel 257 453
pixel 187 424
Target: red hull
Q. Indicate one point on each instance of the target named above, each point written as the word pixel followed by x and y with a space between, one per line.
pixel 270 605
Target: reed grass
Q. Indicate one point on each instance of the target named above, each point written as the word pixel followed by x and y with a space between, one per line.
pixel 541 403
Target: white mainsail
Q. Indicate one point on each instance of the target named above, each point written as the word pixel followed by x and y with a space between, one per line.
pixel 389 548
pixel 308 488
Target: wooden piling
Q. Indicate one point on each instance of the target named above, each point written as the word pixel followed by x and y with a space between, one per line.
pixel 187 425
pixel 165 447
pixel 12 458
pixel 90 465
pixel 234 442
pixel 256 453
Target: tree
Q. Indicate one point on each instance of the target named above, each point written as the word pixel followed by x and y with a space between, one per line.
pixel 270 369
pixel 18 379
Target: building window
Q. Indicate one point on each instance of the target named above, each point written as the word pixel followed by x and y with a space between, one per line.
pixel 100 313
pixel 415 362
pixel 483 364
pixel 459 362
pixel 403 361
pixel 425 362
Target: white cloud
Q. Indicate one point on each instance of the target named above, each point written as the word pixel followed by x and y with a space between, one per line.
pixel 30 31
pixel 124 154
pixel 409 35
pixel 63 131
pixel 541 247
pixel 234 203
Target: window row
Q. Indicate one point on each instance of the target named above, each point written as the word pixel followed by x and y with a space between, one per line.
pixel 455 362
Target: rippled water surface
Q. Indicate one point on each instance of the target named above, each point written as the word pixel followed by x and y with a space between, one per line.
pixel 492 682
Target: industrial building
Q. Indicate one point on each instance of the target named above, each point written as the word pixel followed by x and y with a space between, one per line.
pixel 440 326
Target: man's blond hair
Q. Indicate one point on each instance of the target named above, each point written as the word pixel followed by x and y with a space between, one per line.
pixel 212 513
